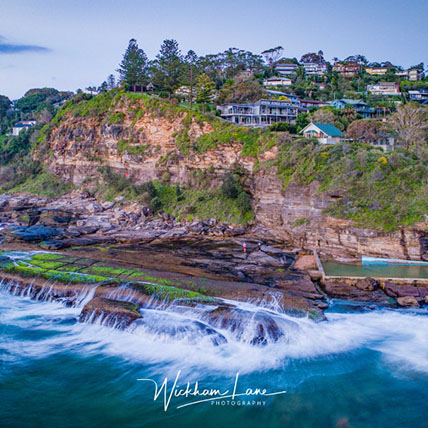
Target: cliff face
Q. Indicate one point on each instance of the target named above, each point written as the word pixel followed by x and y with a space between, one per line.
pixel 296 215
pixel 148 145
pixel 143 148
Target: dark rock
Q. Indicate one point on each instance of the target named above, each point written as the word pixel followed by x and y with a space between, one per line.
pixel 32 233
pixel 147 211
pixel 53 245
pixel 368 284
pixel 393 290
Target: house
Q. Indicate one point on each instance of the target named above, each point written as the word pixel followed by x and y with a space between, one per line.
pixel 419 95
pixel 347 69
pixel 323 132
pixel 404 74
pixel 377 71
pixel 19 127
pixel 286 69
pixel 415 74
pixel 384 88
pixel 360 107
pixel 261 113
pixel 310 104
pixel 412 74
pixel 184 91
pixel 293 99
pixel 315 68
pixel 277 81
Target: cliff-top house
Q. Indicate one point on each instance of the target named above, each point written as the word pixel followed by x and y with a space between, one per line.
pixel 323 132
pixel 261 113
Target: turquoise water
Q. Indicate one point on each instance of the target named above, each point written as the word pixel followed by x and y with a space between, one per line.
pixel 375 270
pixel 355 370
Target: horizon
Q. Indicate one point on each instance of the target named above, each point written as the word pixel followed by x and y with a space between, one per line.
pixel 72 46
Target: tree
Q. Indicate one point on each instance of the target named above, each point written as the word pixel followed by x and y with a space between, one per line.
pixel 368 131
pixel 111 82
pixel 324 116
pixel 272 55
pixel 103 88
pixel 191 70
pixel 205 90
pixel 302 121
pixel 168 67
pixel 358 58
pixel 410 124
pixel 133 68
pixel 312 57
pixel 92 90
pixel 241 92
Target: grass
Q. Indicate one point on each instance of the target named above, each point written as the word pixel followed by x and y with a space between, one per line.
pixel 377 190
pixel 44 184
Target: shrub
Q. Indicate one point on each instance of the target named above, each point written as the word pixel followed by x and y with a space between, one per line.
pixel 231 187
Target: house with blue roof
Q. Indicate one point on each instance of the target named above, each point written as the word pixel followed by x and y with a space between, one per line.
pixel 21 126
pixel 360 107
pixel 323 132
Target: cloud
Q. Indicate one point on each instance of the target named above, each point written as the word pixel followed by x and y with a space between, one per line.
pixel 12 48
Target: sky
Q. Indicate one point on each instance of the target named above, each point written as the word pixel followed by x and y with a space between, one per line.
pixel 77 43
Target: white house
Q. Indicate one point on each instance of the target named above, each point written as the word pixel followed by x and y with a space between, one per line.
pixel 384 88
pixel 277 81
pixel 286 69
pixel 323 132
pixel 315 68
pixel 16 130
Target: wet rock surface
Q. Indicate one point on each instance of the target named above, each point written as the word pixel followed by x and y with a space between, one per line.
pixel 222 260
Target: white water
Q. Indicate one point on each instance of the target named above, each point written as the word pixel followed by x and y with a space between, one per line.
pixel 177 337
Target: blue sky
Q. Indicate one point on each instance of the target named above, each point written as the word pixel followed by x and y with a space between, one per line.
pixel 77 43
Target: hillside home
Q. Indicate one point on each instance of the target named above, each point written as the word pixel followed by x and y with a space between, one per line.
pixel 315 69
pixel 323 132
pixel 261 113
pixel 377 71
pixel 310 104
pixel 286 69
pixel 404 74
pixel 384 88
pixel 24 125
pixel 418 95
pixel 415 74
pixel 277 81
pixel 360 107
pixel 294 99
pixel 347 69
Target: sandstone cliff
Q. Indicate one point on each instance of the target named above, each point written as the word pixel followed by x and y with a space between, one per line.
pixel 145 140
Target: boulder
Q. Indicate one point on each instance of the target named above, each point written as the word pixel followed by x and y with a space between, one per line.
pixel 407 301
pixel 368 284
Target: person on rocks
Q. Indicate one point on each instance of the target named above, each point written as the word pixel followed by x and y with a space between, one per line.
pixel 244 247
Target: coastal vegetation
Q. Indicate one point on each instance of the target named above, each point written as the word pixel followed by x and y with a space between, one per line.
pixel 383 190
pixel 377 189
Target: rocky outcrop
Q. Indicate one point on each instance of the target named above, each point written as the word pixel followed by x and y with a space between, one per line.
pixel 150 145
pixel 297 215
pixel 142 148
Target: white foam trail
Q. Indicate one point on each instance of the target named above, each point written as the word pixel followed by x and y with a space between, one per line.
pixel 400 337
